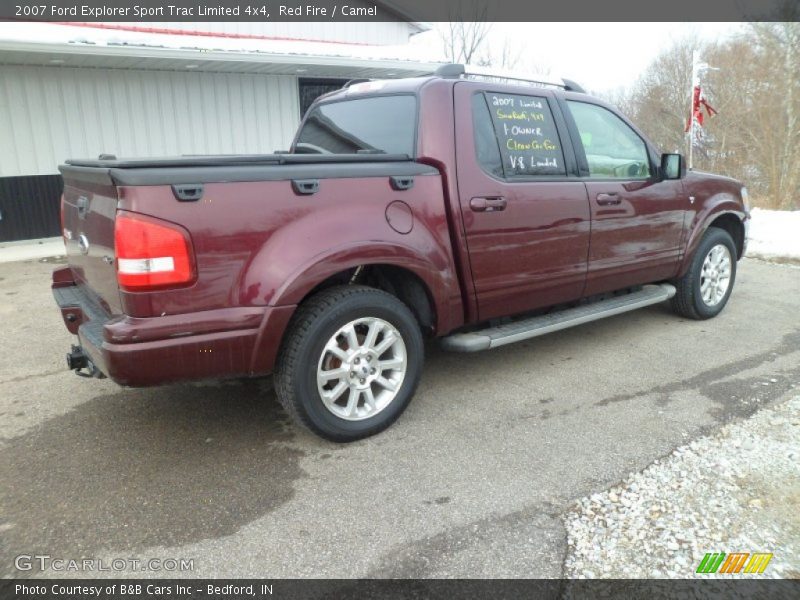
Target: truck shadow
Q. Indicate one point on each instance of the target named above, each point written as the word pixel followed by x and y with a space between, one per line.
pixel 140 468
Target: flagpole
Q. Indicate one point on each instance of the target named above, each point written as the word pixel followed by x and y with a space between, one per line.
pixel 695 82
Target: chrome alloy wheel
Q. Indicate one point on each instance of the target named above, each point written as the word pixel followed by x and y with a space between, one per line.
pixel 361 369
pixel 715 277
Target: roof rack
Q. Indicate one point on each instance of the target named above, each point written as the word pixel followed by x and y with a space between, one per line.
pixel 457 71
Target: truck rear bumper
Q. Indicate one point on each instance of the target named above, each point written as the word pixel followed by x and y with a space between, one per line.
pixel 239 341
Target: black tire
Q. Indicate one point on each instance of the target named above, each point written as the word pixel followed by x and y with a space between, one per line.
pixel 688 301
pixel 316 321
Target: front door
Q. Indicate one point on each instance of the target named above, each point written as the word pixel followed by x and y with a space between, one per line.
pixel 637 219
pixel 526 216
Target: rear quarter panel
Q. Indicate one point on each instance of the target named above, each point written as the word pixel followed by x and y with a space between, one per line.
pixel 93 268
pixel 260 244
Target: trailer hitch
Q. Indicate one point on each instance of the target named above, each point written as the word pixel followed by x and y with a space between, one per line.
pixel 78 361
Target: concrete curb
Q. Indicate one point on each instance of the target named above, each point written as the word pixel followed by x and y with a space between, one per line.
pixel 31 249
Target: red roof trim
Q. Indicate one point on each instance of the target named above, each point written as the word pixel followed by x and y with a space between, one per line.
pixel 164 30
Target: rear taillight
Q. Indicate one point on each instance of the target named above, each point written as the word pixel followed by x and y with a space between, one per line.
pixel 151 253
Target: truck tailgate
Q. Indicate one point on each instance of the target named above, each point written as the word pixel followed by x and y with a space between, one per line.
pixel 88 213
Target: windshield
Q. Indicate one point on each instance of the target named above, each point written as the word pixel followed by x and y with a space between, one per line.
pixel 375 125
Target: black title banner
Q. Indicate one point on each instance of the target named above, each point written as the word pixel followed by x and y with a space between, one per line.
pixel 451 589
pixel 400 10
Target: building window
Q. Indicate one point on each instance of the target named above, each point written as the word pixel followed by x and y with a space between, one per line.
pixel 311 89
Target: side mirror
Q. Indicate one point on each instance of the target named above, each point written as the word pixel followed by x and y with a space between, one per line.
pixel 672 166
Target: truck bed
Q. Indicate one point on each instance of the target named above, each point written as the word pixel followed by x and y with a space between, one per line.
pixel 258 227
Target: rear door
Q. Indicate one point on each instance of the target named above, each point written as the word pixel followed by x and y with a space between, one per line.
pixel 526 216
pixel 637 219
pixel 89 212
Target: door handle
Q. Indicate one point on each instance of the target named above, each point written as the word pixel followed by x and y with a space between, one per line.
pixel 305 187
pixel 608 199
pixel 493 204
pixel 401 183
pixel 188 192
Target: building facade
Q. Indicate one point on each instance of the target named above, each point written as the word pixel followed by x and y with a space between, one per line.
pixel 159 89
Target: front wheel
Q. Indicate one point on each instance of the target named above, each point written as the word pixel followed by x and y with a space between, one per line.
pixel 704 290
pixel 350 362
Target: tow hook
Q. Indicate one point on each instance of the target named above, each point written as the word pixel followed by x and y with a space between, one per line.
pixel 78 361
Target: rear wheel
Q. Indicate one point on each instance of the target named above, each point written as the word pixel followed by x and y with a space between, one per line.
pixel 350 362
pixel 704 290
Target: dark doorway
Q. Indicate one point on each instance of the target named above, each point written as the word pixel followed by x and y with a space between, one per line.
pixel 29 207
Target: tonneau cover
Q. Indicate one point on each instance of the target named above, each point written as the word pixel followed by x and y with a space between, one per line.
pixel 229 168
pixel 227 160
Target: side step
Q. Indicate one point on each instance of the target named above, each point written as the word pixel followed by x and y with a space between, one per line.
pixel 509 333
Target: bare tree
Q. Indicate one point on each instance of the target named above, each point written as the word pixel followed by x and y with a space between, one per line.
pixel 756 89
pixel 621 97
pixel 506 58
pixel 778 44
pixel 469 43
pixel 464 42
pixel 466 38
pixel 659 101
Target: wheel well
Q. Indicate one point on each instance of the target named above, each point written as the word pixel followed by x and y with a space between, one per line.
pixel 397 281
pixel 734 227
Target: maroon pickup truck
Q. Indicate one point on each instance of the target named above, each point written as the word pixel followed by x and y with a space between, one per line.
pixel 479 210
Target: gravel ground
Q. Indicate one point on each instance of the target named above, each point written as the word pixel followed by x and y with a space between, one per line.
pixel 735 491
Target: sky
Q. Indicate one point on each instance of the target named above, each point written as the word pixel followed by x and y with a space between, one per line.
pixel 600 57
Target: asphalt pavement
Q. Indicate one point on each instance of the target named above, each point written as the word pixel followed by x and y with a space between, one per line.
pixel 472 481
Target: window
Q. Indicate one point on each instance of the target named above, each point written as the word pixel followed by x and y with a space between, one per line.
pixel 613 150
pixel 486 149
pixel 377 124
pixel 525 133
pixel 311 89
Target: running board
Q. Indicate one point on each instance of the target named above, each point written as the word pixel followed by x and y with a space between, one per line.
pixel 509 333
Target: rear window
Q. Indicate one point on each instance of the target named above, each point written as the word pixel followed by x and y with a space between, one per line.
pixel 380 125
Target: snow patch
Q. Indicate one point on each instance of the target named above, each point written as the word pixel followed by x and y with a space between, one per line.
pixel 774 235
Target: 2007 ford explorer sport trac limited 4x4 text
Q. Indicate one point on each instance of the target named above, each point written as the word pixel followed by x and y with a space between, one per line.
pixel 480 210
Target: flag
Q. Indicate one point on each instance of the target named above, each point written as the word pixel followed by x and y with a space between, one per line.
pixel 698 103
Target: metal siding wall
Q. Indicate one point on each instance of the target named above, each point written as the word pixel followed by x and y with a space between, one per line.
pixel 49 114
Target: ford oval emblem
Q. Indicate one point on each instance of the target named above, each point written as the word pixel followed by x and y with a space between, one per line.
pixel 83 242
